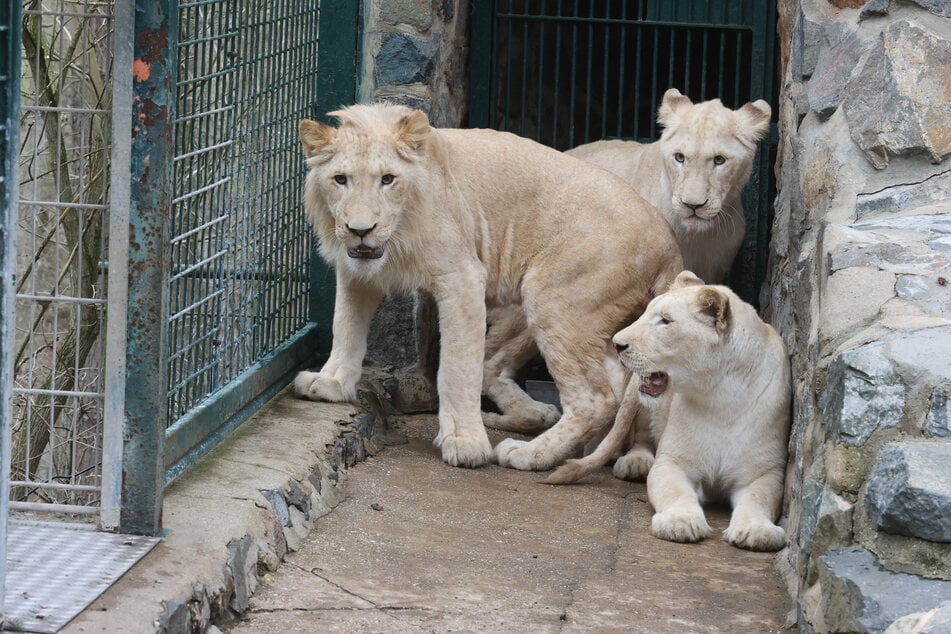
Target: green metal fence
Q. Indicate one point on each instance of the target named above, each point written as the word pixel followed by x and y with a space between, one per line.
pixel 567 72
pixel 239 285
pixel 199 289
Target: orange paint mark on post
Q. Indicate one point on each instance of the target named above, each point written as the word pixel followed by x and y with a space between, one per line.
pixel 141 70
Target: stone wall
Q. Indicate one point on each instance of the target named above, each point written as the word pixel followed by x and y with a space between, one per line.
pixel 415 52
pixel 860 265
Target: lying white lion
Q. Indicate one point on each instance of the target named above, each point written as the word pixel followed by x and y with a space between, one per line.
pixel 477 217
pixel 716 380
pixel 695 174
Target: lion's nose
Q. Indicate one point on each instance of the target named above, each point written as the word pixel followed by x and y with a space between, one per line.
pixel 360 232
pixel 621 347
pixel 696 206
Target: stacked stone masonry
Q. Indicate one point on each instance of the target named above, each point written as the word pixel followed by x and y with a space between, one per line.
pixel 860 288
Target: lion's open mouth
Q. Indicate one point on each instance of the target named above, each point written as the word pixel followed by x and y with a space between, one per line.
pixel 654 384
pixel 365 252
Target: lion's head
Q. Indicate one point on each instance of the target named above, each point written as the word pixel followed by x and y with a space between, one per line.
pixel 708 152
pixel 678 336
pixel 363 180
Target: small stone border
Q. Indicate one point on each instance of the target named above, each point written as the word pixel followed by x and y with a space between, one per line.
pixel 289 513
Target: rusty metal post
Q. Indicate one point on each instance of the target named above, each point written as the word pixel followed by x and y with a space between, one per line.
pixel 155 54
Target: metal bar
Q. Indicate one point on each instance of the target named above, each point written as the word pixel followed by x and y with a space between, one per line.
pixel 54 485
pixel 605 63
pixel 189 439
pixel 43 507
pixel 507 101
pixel 574 78
pixel 336 86
pixel 63 393
pixel 9 147
pixel 524 81
pixel 557 91
pixel 620 85
pixel 154 102
pixel 596 20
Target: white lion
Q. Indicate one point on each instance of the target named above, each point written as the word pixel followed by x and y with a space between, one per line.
pixel 715 379
pixel 479 217
pixel 694 174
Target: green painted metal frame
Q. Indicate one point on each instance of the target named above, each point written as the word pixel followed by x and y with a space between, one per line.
pixel 151 458
pixel 155 39
pixel 9 146
pixel 337 72
pixel 248 333
pixel 492 30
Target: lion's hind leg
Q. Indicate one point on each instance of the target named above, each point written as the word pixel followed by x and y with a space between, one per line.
pixel 754 507
pixel 610 447
pixel 509 345
pixel 577 365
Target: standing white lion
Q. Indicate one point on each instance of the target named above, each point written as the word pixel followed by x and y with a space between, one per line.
pixel 695 175
pixel 479 217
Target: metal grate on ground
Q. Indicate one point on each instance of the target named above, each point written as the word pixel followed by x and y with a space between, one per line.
pixel 240 247
pixel 54 570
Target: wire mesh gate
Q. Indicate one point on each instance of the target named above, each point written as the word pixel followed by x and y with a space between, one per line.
pixel 567 72
pixel 164 269
pixel 9 117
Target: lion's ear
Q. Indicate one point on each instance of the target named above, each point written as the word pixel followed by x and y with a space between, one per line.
pixel 413 130
pixel 670 107
pixel 686 278
pixel 315 136
pixel 754 119
pixel 715 305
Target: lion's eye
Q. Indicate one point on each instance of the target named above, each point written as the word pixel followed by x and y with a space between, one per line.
pixel 340 179
pixel 680 158
pixel 387 179
pixel 664 320
pixel 719 159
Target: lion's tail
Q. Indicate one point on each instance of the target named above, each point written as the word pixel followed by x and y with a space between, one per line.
pixel 610 447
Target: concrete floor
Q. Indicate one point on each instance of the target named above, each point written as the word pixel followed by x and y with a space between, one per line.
pixel 419 546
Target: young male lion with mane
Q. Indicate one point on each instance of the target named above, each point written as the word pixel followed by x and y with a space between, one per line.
pixel 477 218
pixel 715 381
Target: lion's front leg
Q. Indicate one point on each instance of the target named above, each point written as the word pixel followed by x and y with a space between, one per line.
pixel 354 306
pixel 678 516
pixel 754 507
pixel 460 298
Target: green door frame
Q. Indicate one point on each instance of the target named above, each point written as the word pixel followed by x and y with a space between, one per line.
pixel 750 267
pixel 338 67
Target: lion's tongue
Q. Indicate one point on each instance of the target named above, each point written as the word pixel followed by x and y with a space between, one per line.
pixel 655 384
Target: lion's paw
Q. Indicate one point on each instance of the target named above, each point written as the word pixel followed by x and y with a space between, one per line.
pixel 680 526
pixel 522 455
pixel 465 451
pixel 504 450
pixel 634 465
pixel 756 535
pixel 318 387
pixel 548 413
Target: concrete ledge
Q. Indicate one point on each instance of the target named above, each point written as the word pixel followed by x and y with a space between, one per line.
pixel 237 513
